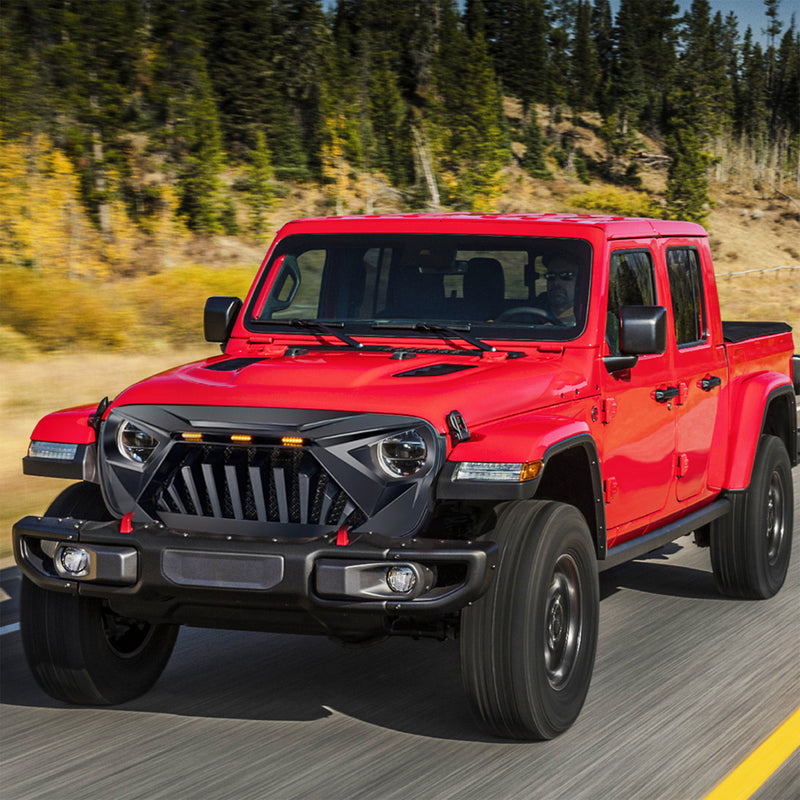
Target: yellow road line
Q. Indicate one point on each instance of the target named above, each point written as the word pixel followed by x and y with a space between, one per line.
pixel 764 762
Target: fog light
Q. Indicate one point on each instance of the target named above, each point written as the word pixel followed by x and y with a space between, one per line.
pixel 401 579
pixel 74 561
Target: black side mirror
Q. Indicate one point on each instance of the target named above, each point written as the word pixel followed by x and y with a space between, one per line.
pixel 218 317
pixel 642 331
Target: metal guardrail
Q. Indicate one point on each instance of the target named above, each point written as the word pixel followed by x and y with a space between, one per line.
pixel 752 271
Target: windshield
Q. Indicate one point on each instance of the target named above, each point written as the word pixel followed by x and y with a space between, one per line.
pixel 501 287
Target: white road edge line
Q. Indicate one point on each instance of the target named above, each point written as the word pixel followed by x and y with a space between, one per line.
pixel 13 628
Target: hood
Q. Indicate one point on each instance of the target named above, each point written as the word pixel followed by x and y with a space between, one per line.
pixel 429 385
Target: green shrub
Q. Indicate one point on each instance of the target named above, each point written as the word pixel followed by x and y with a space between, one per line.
pixel 611 200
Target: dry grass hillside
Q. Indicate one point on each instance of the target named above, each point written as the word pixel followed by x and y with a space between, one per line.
pixel 750 229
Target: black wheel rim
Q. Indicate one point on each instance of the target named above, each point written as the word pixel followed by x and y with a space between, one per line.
pixel 776 521
pixel 125 637
pixel 562 630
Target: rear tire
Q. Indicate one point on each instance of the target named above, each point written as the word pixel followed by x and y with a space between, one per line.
pixel 528 645
pixel 77 648
pixel 751 546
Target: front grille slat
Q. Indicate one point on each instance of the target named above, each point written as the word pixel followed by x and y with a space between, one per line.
pixel 211 490
pixel 303 486
pixel 232 482
pixel 258 492
pixel 327 501
pixel 191 488
pixel 280 494
pixel 266 484
pixel 176 499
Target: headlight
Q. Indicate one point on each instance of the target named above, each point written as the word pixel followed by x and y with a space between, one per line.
pixel 134 443
pixel 402 454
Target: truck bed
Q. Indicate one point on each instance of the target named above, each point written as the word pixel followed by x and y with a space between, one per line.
pixel 741 331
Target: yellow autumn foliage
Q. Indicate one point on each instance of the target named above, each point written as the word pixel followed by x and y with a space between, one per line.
pixel 43 225
pixel 613 200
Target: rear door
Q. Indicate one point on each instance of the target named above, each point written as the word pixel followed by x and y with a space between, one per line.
pixel 700 368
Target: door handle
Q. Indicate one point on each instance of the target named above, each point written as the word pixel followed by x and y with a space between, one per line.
pixel 667 393
pixel 709 382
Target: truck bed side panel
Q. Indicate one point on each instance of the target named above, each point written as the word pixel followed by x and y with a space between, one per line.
pixel 759 369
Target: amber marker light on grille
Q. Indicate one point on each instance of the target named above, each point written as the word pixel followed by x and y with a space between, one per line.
pixel 191 436
pixel 292 441
pixel 241 438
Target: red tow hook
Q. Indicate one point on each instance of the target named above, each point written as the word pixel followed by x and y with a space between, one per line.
pixel 342 539
pixel 126 523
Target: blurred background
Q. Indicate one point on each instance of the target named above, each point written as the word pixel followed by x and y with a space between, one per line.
pixel 150 149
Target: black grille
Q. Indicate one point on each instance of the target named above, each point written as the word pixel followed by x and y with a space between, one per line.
pixel 260 484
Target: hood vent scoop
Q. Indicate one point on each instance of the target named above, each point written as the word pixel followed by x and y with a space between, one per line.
pixel 232 364
pixel 434 370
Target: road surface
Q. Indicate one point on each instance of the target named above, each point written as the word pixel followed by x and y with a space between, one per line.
pixel 687 684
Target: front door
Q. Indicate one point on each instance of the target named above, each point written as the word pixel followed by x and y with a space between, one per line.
pixel 639 423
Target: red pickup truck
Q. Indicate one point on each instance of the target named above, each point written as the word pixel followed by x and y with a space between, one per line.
pixel 424 425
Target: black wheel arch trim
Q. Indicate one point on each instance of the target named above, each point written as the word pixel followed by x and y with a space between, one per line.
pixel 449 489
pixel 791 435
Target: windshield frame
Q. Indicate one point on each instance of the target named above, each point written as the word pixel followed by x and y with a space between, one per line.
pixel 379 327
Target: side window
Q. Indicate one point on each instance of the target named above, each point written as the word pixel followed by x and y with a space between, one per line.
pixel 686 287
pixel 631 283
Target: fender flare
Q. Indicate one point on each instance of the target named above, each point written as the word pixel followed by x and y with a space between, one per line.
pixel 753 399
pixel 575 440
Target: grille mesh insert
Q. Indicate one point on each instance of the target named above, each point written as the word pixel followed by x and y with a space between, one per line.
pixel 263 484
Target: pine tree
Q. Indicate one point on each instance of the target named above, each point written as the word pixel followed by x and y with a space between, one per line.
pixel 238 56
pixel 783 91
pixel 470 140
pixel 534 159
pixel 602 36
pixel 392 151
pixel 260 176
pixel 517 39
pixel 301 38
pixel 702 98
pixel 584 68
pixel 629 96
pixel 687 184
pixel 475 18
pixel 183 103
pixel 751 107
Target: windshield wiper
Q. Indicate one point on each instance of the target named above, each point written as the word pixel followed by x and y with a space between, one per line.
pixel 315 325
pixel 450 332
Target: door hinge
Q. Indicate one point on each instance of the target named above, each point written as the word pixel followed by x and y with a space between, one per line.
pixel 683 393
pixel 609 410
pixel 610 488
pixel 683 465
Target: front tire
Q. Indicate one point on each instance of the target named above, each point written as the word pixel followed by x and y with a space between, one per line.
pixel 528 645
pixel 750 546
pixel 77 648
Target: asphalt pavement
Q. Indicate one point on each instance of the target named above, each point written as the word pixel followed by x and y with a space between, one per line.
pixel 686 685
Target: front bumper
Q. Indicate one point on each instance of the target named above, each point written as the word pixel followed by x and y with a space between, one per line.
pixel 160 574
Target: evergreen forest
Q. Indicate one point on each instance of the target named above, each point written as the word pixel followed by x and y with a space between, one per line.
pixel 128 125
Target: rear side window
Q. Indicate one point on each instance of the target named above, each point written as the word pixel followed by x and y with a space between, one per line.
pixel 686 287
pixel 631 283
